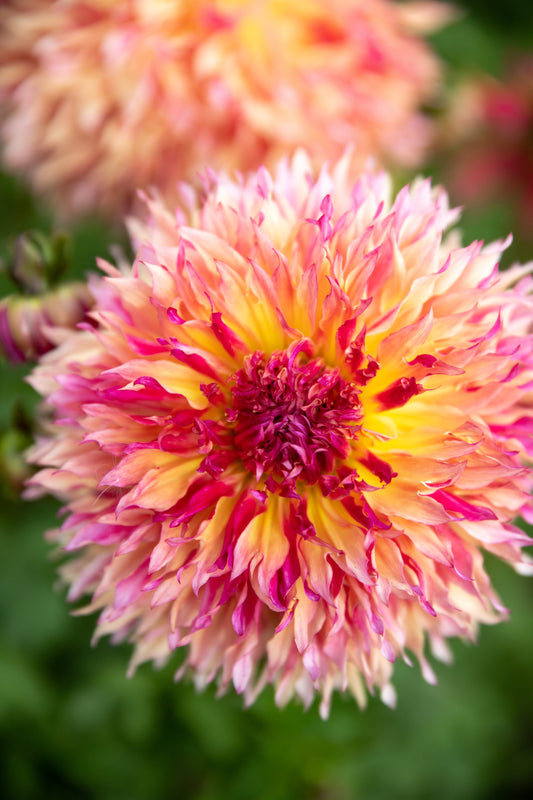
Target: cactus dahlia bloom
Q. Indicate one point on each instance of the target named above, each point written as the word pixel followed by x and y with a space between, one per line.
pixel 102 97
pixel 293 428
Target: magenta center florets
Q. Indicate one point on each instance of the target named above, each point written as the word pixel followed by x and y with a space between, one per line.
pixel 293 416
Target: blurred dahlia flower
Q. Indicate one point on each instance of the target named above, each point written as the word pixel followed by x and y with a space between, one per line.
pixel 294 427
pixel 489 134
pixel 101 97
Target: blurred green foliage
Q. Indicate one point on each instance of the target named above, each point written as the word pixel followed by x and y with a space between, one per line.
pixel 72 727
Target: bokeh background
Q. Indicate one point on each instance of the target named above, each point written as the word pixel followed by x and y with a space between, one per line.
pixel 72 727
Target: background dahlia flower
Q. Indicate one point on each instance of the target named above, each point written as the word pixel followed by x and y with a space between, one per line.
pixel 291 431
pixel 101 97
pixel 488 132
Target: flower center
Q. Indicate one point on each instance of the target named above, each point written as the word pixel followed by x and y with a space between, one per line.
pixel 293 416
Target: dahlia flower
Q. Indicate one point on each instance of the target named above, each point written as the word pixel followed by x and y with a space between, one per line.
pixel 489 130
pixel 101 97
pixel 292 430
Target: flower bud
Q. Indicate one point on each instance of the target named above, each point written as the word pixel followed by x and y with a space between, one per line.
pixel 30 326
pixel 38 261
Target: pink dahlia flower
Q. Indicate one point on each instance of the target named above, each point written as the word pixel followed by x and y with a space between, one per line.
pixel 101 97
pixel 489 130
pixel 293 429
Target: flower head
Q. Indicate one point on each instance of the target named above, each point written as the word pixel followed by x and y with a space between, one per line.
pixel 489 133
pixel 102 97
pixel 295 425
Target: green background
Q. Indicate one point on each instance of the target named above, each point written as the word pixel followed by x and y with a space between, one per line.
pixel 73 727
